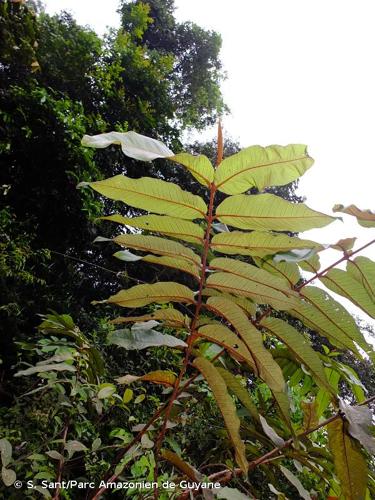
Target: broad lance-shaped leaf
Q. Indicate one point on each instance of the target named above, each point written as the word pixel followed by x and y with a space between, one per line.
pixel 259 244
pixel 300 348
pixel 170 317
pixel 347 286
pixel 265 212
pixel 170 226
pixel 363 270
pixel 246 288
pixel 235 386
pixel 322 313
pixel 144 148
pixel 162 377
pixel 360 425
pixel 157 245
pixel 350 464
pixel 138 340
pixel 153 195
pixel 261 167
pixel 267 282
pixel 246 304
pixel 142 295
pixel 221 335
pixel 365 218
pixel 286 271
pixel 226 406
pixel 181 265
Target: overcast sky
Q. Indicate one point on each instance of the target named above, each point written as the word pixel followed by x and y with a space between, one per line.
pixel 298 72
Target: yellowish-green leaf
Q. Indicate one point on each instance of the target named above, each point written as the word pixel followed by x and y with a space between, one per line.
pixel 287 271
pixel 128 396
pixel 312 265
pixel 199 166
pixel 363 270
pixel 244 287
pixel 153 195
pixel 170 317
pixel 170 226
pixel 246 304
pixel 310 417
pixel 365 218
pixel 265 212
pixel 181 265
pixel 235 386
pixel 347 286
pixel 226 406
pixel 350 464
pixel 221 335
pixel 322 313
pixel 162 377
pixel 142 295
pixel 159 246
pixel 298 345
pixel 261 167
pixel 266 366
pixel 258 243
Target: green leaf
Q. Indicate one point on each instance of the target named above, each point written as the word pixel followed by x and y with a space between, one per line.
pixel 180 264
pixel 153 195
pixel 244 287
pixel 299 346
pixel 183 466
pixel 73 446
pixel 261 167
pixel 286 271
pixel 246 304
pixel 322 313
pixel 226 406
pixel 365 218
pixel 235 386
pixel 259 244
pixel 295 482
pixel 159 246
pixel 362 269
pixel 170 226
pixel 142 295
pixel 265 212
pixel 138 340
pixel 347 286
pixel 106 391
pixel 199 166
pixel 134 145
pixel 360 425
pixel 55 455
pixel 6 451
pixel 271 433
pixel 57 367
pixel 227 493
pixel 350 464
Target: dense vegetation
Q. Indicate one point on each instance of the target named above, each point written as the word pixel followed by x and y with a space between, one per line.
pixel 236 368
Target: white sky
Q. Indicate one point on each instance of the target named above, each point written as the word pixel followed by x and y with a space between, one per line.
pixel 298 72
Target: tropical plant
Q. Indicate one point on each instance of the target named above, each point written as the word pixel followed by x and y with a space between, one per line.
pixel 230 318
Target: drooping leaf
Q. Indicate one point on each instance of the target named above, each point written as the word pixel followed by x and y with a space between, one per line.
pixel 244 287
pixel 235 386
pixel 162 377
pixel 295 482
pixel 259 244
pixel 131 340
pixel 170 226
pixel 328 317
pixel 226 406
pixel 159 246
pixel 350 464
pixel 199 166
pixel 261 167
pixel 183 466
pixel 365 218
pixel 169 316
pixel 360 424
pixel 299 346
pixel 153 195
pixel 347 286
pixel 142 295
pixel 264 212
pixel 221 335
pixel 134 145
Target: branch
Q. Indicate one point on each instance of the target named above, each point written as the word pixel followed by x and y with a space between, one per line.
pixel 61 464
